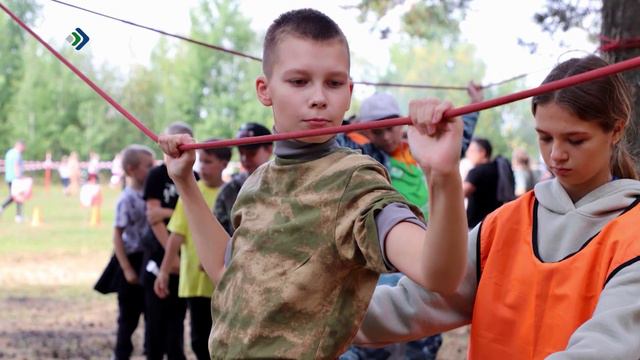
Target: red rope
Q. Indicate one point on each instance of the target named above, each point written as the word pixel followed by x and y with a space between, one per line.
pixel 95 87
pixel 548 87
pixel 552 86
pixel 609 45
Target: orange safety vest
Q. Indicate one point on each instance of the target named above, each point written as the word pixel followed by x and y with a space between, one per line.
pixel 527 309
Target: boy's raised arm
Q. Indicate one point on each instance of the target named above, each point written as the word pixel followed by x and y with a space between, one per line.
pixel 434 258
pixel 209 237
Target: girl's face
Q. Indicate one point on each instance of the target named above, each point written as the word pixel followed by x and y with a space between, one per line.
pixel 577 152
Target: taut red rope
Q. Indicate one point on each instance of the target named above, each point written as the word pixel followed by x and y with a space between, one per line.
pixel 552 86
pixel 608 45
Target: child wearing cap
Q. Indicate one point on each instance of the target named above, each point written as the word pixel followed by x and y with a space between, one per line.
pixel 251 157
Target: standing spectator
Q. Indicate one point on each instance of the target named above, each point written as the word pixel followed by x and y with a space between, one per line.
pixel 48 164
pixel 524 177
pixel 74 173
pixel 164 330
pixel 195 285
pixel 13 170
pixel 116 171
pixel 93 167
pixel 65 175
pixel 130 226
pixel 481 184
pixel 251 157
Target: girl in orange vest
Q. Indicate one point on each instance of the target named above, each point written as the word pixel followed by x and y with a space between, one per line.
pixel 554 274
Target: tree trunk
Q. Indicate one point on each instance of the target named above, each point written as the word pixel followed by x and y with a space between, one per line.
pixel 620 22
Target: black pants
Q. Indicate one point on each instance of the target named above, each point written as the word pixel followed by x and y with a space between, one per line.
pixel 9 200
pixel 164 330
pixel 130 306
pixel 200 313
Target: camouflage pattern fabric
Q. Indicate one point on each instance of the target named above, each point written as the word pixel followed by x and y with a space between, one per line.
pixel 305 258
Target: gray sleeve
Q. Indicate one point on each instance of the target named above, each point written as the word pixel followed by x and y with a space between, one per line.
pixel 389 217
pixel 613 332
pixel 407 311
pixel 228 253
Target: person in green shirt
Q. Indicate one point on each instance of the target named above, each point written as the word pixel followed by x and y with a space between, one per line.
pixel 194 284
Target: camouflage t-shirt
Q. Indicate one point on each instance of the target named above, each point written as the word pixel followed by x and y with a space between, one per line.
pixel 305 258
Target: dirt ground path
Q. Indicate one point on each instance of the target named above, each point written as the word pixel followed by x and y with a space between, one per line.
pixel 48 310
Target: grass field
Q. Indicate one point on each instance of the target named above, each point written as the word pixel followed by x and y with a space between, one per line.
pixel 48 307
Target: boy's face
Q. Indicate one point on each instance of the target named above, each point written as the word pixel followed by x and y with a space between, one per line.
pixel 386 139
pixel 251 158
pixel 309 86
pixel 475 153
pixel 211 168
pixel 139 173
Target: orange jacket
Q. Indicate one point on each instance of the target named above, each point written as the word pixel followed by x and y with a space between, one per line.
pixel 527 309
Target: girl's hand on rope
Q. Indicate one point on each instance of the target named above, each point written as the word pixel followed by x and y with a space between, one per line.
pixel 434 141
pixel 179 163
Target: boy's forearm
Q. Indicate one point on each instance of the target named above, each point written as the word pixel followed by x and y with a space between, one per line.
pixel 445 245
pixel 171 252
pixel 209 237
pixel 159 229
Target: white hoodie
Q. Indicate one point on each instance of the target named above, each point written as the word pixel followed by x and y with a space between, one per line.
pixel 408 312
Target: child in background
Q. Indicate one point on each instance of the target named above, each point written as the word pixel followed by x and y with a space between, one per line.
pixel 316 226
pixel 130 225
pixel 194 284
pixel 164 317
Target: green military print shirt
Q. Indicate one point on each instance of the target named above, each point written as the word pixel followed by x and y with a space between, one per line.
pixel 305 258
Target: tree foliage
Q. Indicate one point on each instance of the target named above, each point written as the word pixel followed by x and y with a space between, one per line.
pixel 12 41
pixel 418 61
pixel 44 103
pixel 429 52
pixel 606 20
pixel 427 19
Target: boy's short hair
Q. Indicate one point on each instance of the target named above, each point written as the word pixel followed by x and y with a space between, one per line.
pixel 304 23
pixel 223 154
pixel 178 127
pixel 131 155
pixel 251 129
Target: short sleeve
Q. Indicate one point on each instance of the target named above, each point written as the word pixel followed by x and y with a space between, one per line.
pixel 178 223
pixel 122 212
pixel 366 194
pixel 474 176
pixel 153 185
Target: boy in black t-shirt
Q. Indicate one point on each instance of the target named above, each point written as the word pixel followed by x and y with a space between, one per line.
pixel 481 182
pixel 164 330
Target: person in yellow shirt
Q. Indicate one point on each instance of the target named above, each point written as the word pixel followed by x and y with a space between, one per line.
pixel 194 284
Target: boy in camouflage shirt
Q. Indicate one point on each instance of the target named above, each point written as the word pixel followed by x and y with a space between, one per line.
pixel 316 225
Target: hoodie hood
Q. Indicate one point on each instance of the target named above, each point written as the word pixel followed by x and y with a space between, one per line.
pixel 564 226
